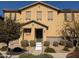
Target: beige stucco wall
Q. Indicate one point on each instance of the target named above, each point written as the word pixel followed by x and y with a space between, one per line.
pixel 6 15
pixel 76 17
pixel 31 36
pixel 54 26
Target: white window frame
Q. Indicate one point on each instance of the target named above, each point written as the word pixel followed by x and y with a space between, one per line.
pixel 50 15
pixel 28 15
pixel 69 17
pixel 39 15
pixel 13 16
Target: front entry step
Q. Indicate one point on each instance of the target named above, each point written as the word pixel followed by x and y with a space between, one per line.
pixel 38 46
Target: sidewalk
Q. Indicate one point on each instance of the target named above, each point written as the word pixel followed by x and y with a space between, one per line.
pixel 59 55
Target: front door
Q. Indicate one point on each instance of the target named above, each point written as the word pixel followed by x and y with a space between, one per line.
pixel 75 42
pixel 38 34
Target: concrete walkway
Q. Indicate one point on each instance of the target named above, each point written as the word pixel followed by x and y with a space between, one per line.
pixel 59 55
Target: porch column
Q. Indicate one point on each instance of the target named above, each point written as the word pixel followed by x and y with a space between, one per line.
pixel 44 34
pixel 23 35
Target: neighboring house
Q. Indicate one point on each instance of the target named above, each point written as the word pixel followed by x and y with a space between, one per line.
pixel 41 21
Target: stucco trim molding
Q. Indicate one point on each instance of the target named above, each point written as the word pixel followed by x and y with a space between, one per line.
pixel 54 37
pixel 39 2
pixel 36 23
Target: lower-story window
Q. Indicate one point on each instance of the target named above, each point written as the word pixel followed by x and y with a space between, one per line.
pixel 27 30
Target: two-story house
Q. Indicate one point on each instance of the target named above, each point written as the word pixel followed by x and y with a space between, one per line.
pixel 41 21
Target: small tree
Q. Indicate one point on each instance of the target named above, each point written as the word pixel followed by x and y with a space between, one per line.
pixel 9 31
pixel 70 33
pixel 77 32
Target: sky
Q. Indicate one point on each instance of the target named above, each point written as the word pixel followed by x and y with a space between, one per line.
pixel 19 4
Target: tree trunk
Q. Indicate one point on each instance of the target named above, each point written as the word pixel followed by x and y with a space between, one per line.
pixel 7 43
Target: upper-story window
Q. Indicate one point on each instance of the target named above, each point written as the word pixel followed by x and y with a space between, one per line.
pixel 13 16
pixel 69 16
pixel 28 15
pixel 77 16
pixel 50 15
pixel 39 15
pixel 7 16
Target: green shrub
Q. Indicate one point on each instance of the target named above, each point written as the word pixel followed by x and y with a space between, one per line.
pixel 24 43
pixel 1 56
pixel 44 56
pixel 46 43
pixel 4 48
pixel 66 48
pixel 32 43
pixel 69 44
pixel 49 50
pixel 62 42
pixel 27 56
pixel 55 43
